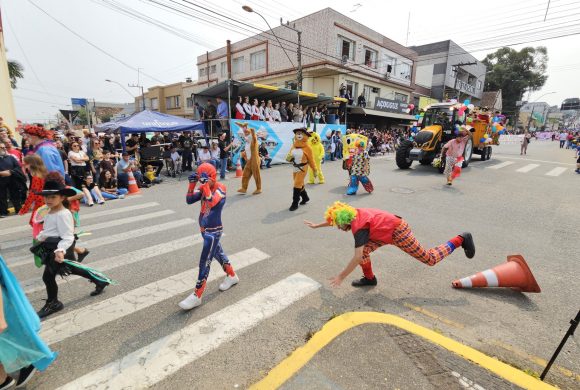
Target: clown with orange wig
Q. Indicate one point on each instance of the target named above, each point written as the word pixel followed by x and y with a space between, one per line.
pixel 373 228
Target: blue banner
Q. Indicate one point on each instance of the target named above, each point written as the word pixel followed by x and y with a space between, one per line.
pixel 79 102
pixel 278 137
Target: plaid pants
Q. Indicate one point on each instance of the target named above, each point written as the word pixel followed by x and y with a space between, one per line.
pixel 404 239
pixel 449 164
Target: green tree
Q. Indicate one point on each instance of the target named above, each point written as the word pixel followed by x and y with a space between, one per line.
pixel 82 117
pixel 15 72
pixel 515 72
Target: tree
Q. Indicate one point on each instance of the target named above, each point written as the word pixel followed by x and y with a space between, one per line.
pixel 15 72
pixel 514 72
pixel 82 117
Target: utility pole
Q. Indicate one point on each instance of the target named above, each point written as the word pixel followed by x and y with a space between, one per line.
pixel 298 53
pixel 139 86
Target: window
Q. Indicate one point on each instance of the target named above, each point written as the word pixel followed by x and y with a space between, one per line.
pixel 172 102
pixel 212 70
pixel 177 101
pixel 404 71
pixel 371 58
pixel 223 69
pixel 352 89
pixel 202 72
pixel 401 97
pixel 258 60
pixel 478 84
pixel 189 102
pixel 345 48
pixel 238 65
pixel 388 63
pixel 155 104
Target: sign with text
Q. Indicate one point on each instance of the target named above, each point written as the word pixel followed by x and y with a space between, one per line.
pixel 463 86
pixel 388 105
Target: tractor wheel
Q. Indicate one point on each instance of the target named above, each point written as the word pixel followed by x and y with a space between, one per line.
pixel 426 161
pixel 489 149
pixel 467 153
pixel 403 155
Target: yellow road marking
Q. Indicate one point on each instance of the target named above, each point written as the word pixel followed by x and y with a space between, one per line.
pixel 437 317
pixel 535 359
pixel 338 325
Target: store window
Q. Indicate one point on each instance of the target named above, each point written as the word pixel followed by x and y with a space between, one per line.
pixel 238 65
pixel 345 48
pixel 258 60
pixel 371 58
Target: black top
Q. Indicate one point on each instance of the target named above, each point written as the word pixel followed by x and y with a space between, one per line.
pixel 222 145
pixel 361 238
pixel 186 143
pixel 263 151
pixel 130 143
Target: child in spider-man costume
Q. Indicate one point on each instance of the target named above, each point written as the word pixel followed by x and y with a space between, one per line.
pixel 213 198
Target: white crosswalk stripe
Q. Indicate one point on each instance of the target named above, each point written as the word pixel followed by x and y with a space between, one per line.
pixel 527 168
pixel 153 363
pixel 89 317
pixel 501 165
pixel 557 171
pixel 98 214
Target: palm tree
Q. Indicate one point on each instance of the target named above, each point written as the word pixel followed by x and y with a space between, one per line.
pixel 15 72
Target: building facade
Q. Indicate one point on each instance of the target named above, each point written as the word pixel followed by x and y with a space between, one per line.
pixel 335 50
pixel 442 67
pixel 534 115
pixel 172 99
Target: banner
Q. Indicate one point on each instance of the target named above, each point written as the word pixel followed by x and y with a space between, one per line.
pixel 388 105
pixel 277 136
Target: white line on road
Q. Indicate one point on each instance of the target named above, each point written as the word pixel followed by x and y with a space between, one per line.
pixel 26 228
pixel 501 165
pixel 151 364
pixel 527 168
pixel 97 242
pixel 557 171
pixel 92 316
pixel 33 285
pixel 531 159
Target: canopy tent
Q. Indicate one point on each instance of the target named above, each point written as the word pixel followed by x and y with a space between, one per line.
pixel 235 88
pixel 148 121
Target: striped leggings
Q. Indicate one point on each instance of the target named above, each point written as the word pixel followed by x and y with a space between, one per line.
pixel 404 239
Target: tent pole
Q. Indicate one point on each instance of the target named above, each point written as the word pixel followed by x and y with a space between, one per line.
pixel 229 108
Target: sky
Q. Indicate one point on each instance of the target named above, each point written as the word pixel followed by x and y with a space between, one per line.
pixel 103 43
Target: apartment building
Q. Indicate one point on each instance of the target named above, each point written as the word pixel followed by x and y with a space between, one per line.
pixel 442 68
pixel 172 99
pixel 335 50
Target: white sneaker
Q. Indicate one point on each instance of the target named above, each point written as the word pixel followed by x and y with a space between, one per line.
pixel 190 302
pixel 228 282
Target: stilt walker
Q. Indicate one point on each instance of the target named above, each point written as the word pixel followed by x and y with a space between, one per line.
pixel 373 228
pixel 213 198
pixel 300 156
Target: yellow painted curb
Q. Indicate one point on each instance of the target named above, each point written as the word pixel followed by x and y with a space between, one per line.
pixel 334 328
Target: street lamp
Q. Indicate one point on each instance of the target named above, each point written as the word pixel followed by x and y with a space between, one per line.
pixel 533 107
pixel 247 8
pixel 120 85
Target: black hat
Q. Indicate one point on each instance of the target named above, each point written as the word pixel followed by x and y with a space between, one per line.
pixel 302 129
pixel 52 187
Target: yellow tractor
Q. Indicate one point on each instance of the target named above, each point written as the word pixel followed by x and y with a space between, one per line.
pixel 437 128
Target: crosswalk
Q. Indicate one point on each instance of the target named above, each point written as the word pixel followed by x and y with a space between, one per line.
pixel 521 167
pixel 125 238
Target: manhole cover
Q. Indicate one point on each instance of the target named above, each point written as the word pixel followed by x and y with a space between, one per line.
pixel 402 190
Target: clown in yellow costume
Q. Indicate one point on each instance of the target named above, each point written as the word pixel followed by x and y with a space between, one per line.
pixel 318 154
pixel 252 157
pixel 300 156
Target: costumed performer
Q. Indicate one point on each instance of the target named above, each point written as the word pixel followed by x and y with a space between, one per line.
pixel 56 247
pixel 452 151
pixel 317 148
pixel 41 140
pixel 357 162
pixel 252 157
pixel 373 228
pixel 22 351
pixel 300 155
pixel 213 198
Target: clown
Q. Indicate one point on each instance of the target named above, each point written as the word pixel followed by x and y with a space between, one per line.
pixel 41 140
pixel 300 155
pixel 357 161
pixel 213 197
pixel 374 228
pixel 252 157
pixel 318 154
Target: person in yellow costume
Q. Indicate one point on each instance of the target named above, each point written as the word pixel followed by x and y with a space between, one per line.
pixel 300 155
pixel 318 154
pixel 252 157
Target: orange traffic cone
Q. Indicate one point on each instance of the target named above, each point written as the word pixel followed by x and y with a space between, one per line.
pixel 514 274
pixel 133 189
pixel 239 172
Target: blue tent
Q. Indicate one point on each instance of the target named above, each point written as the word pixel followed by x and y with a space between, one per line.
pixel 148 121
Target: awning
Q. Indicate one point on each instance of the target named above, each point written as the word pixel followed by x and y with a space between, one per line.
pixel 263 91
pixel 368 111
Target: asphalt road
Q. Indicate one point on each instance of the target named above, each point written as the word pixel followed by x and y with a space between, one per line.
pixel 147 244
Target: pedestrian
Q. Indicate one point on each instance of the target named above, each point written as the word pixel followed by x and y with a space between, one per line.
pixel 22 350
pixel 222 114
pixel 247 108
pixel 525 142
pixel 34 165
pixel 240 114
pixel 224 154
pixel 283 112
pixel 562 138
pixel 78 168
pixel 56 243
pixel 187 151
pixel 374 228
pixel 212 196
pixel 12 182
pixel 454 149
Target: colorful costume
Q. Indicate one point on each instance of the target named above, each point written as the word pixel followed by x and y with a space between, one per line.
pixel 213 198
pixel 357 161
pixel 252 157
pixel 373 228
pixel 317 148
pixel 300 155
pixel 33 200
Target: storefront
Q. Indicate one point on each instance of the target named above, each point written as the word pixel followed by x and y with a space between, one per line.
pixel 386 114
